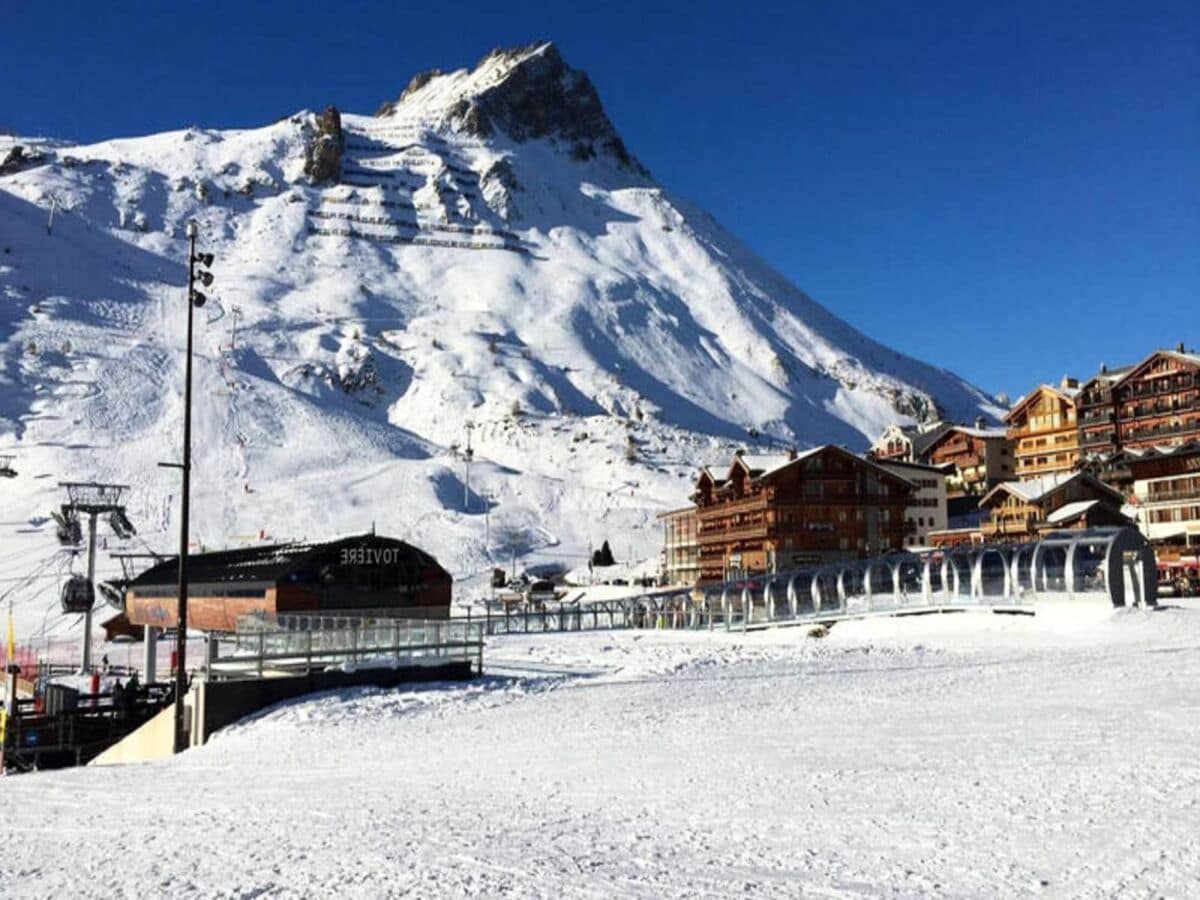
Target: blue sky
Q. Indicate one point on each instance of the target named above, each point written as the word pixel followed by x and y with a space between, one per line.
pixel 1009 190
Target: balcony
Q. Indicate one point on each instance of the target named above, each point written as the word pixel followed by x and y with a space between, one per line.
pixel 1146 434
pixel 736 533
pixel 1160 408
pixel 1009 525
pixel 743 504
pixel 1172 496
pixel 1096 438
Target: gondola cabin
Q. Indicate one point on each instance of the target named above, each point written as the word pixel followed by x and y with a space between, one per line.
pixel 368 572
pixel 78 595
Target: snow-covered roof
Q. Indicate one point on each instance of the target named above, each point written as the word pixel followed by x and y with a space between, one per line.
pixel 1069 511
pixel 982 432
pixel 765 463
pixel 1062 390
pixel 1036 488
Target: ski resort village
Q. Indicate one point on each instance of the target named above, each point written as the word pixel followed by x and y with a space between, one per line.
pixel 429 502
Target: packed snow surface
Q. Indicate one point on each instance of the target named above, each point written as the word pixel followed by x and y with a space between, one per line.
pixel 603 336
pixel 963 755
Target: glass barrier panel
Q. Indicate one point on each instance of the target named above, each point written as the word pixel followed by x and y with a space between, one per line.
pixel 911 576
pixel 881 584
pixel 1089 574
pixel 825 590
pixel 957 575
pixel 800 593
pixel 1050 574
pixel 853 589
pixel 993 574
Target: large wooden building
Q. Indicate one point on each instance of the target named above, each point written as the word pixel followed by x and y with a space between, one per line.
pixel 769 513
pixel 1044 432
pixel 981 457
pixel 1022 510
pixel 354 573
pixel 1155 403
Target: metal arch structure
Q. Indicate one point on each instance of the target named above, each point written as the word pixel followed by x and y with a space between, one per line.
pixel 1068 573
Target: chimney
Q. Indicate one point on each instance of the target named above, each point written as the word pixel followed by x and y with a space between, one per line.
pixel 1069 382
pixel 980 422
pixel 791 453
pixel 1103 368
pixel 1179 348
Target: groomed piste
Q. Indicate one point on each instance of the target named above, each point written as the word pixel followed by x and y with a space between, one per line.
pixel 945 755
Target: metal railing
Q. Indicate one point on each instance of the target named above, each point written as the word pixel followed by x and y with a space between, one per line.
pixel 557 617
pixel 271 645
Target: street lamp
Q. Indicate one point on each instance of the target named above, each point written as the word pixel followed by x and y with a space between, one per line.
pixel 195 300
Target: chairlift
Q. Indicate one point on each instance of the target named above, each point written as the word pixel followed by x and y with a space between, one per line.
pixel 6 469
pixel 67 527
pixel 78 595
pixel 121 525
pixel 113 593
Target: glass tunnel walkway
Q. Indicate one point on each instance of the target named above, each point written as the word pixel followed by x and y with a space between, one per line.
pixel 1073 573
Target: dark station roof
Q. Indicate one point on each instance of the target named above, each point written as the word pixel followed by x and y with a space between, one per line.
pixel 267 563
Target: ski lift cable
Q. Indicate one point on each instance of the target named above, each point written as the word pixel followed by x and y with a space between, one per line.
pixel 29 578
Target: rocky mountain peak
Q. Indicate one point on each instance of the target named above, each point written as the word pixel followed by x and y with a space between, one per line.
pixel 527 93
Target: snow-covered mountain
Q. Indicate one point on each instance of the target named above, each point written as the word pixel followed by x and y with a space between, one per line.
pixel 482 250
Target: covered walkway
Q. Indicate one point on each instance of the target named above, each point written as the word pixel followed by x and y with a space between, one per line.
pixel 1072 573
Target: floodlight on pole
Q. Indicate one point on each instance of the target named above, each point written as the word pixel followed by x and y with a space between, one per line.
pixel 195 300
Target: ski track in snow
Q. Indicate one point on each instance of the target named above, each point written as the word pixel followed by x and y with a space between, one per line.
pixel 953 756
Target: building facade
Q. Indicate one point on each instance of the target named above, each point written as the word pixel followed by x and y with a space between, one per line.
pixel 926 511
pixel 1155 403
pixel 365 572
pixel 1023 510
pixel 1043 431
pixel 981 458
pixel 1158 402
pixel 681 548
pixel 906 443
pixel 1166 494
pixel 769 513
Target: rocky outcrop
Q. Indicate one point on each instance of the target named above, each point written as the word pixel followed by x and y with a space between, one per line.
pixel 498 184
pixel 530 93
pixel 19 157
pixel 418 81
pixel 543 97
pixel 323 152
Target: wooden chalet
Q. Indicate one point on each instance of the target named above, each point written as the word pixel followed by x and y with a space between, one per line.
pixel 981 457
pixel 1154 403
pixel 773 512
pixel 354 573
pixel 1044 432
pixel 1022 510
pixel 907 443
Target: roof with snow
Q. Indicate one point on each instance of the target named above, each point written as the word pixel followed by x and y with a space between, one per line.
pixel 266 563
pixel 1069 511
pixel 1035 489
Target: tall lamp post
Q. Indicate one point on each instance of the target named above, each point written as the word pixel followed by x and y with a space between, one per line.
pixel 195 300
